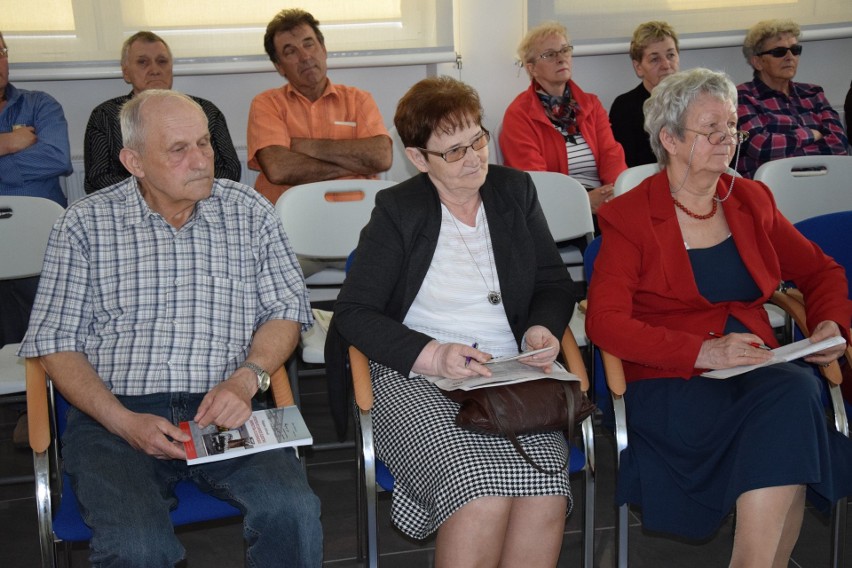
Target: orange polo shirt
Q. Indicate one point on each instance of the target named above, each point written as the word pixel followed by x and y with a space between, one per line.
pixel 277 115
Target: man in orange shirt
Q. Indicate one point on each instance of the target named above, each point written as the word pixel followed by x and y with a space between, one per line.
pixel 311 129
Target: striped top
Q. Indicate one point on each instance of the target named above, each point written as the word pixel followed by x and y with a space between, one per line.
pixel 581 163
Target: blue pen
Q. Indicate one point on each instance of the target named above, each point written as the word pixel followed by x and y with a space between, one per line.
pixel 467 359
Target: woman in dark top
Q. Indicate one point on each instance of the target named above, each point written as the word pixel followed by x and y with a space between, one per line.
pixel 458 255
pixel 687 261
pixel 655 55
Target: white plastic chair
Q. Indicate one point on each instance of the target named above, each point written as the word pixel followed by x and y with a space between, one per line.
pixel 631 177
pixel 807 186
pixel 566 207
pixel 25 224
pixel 495 155
pixel 324 220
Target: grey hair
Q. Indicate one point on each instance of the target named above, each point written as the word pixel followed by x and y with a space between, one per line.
pixel 132 125
pixel 765 30
pixel 670 99
pixel 145 37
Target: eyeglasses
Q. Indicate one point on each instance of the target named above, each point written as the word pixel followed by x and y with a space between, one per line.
pixel 459 152
pixel 718 137
pixel 779 52
pixel 4 52
pixel 552 53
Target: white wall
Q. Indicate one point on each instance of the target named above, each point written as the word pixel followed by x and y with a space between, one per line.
pixel 488 33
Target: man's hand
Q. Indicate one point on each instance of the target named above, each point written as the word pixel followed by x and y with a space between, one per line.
pixel 19 139
pixel 228 404
pixel 153 435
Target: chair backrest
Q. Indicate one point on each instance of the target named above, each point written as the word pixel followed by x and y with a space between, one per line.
pixel 25 225
pixel 807 186
pixel 495 155
pixel 401 169
pixel 565 203
pixel 324 219
pixel 831 232
pixel 631 177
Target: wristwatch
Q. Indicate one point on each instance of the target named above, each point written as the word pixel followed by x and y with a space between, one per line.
pixel 262 376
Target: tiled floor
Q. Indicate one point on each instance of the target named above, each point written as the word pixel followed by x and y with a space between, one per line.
pixel 332 475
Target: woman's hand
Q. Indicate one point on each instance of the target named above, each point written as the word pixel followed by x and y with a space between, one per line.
pixel 539 337
pixel 824 330
pixel 599 195
pixel 732 350
pixel 451 360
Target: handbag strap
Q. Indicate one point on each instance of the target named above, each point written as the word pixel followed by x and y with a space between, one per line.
pixel 513 438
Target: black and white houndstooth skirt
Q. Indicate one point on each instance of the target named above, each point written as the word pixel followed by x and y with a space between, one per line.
pixel 438 467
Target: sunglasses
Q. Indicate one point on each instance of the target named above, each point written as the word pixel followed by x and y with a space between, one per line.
pixel 780 52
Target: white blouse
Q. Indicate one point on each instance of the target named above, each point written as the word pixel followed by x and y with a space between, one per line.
pixel 452 304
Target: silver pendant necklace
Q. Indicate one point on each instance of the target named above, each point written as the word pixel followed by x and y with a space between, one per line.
pixel 494 297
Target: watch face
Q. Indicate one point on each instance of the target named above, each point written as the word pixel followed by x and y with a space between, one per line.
pixel 263 380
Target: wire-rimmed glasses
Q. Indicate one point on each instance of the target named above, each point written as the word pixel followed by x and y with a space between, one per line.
pixel 719 137
pixel 551 54
pixel 459 152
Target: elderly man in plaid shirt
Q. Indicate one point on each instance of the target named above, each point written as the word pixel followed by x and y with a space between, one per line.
pixel 168 297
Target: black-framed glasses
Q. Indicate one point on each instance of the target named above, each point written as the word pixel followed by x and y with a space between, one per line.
pixel 459 152
pixel 4 52
pixel 718 137
pixel 779 52
pixel 551 54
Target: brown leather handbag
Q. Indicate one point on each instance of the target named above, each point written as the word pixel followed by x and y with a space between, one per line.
pixel 543 405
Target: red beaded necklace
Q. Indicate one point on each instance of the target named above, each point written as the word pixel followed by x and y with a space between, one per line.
pixel 683 208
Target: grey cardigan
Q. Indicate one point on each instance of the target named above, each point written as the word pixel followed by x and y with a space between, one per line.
pixel 393 257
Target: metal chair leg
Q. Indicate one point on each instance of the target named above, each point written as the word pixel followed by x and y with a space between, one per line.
pixel 41 466
pixel 623 511
pixel 589 513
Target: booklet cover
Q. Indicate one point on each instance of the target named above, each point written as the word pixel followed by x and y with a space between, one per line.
pixel 265 430
pixel 783 354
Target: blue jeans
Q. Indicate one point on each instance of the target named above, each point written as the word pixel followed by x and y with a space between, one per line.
pixel 125 495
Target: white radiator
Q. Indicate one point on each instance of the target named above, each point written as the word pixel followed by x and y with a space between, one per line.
pixel 73 185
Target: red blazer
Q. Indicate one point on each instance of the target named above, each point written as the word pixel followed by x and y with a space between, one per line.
pixel 644 304
pixel 529 141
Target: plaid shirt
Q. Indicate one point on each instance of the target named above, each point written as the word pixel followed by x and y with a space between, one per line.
pixel 779 126
pixel 159 309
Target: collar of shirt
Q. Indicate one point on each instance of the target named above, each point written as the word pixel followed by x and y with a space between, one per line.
pixel 138 210
pixel 330 91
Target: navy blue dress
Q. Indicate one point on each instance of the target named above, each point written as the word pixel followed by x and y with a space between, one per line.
pixel 695 446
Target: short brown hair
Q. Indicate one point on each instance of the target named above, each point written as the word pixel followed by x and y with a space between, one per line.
pixel 435 103
pixel 648 33
pixel 284 21
pixel 147 37
pixel 764 30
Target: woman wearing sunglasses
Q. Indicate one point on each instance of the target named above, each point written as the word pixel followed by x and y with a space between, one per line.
pixel 783 118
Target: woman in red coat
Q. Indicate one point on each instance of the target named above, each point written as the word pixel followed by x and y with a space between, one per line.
pixel 687 260
pixel 555 126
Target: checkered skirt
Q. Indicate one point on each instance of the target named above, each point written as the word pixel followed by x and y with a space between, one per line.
pixel 438 467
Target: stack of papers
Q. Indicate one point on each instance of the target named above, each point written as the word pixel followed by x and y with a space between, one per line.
pixel 504 371
pixel 783 354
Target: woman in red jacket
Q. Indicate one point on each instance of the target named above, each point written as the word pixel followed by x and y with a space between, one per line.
pixel 554 126
pixel 687 260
